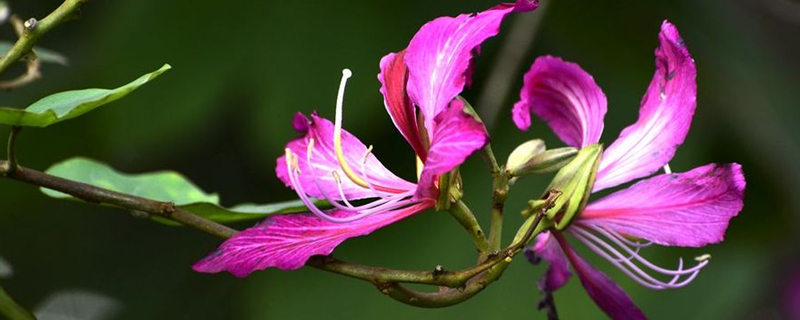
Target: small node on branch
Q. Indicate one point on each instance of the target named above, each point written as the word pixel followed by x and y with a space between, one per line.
pixel 30 24
pixel 438 270
pixel 167 208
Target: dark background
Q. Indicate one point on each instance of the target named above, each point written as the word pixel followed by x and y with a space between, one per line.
pixel 242 68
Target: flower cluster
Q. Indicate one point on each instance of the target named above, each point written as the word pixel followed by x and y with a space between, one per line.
pixel 421 85
pixel 690 209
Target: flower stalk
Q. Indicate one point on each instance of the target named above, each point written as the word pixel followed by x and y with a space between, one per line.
pixel 466 218
pixel 500 186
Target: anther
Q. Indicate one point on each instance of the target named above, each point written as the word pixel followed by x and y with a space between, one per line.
pixel 336 177
pixel 704 257
pixel 366 154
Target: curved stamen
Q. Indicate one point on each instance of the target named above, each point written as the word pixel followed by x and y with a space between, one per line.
pixel 366 174
pixel 644 261
pixel 677 273
pixel 333 202
pixel 617 262
pixel 635 244
pixel 391 204
pixel 337 132
pixel 293 170
pixel 626 263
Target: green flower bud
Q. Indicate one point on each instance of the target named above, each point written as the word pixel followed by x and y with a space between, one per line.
pixel 523 155
pixel 574 181
pixel 526 160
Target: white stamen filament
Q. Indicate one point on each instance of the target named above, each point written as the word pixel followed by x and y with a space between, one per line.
pixel 667 169
pixel 383 203
pixel 626 263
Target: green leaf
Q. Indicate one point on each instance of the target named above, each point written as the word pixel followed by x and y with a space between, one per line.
pixel 70 104
pixel 44 55
pixel 163 186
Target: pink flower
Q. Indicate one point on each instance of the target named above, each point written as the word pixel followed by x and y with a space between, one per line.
pixel 419 86
pixel 690 209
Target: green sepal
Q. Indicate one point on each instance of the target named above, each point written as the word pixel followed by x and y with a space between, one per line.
pixel 575 181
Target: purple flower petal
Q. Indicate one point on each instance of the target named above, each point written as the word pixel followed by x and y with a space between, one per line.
pixel 393 78
pixel 664 118
pixel 558 273
pixel 564 96
pixel 287 241
pixel 606 293
pixel 455 137
pixel 325 163
pixel 438 57
pixel 684 209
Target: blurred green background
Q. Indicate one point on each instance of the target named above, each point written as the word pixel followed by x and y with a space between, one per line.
pixel 242 68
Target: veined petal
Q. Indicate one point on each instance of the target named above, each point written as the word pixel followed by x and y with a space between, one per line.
pixel 456 136
pixel 325 163
pixel 606 293
pixel 564 96
pixel 681 209
pixel 547 248
pixel 393 78
pixel 438 57
pixel 664 118
pixel 287 241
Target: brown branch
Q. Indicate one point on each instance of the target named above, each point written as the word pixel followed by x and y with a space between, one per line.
pixel 92 194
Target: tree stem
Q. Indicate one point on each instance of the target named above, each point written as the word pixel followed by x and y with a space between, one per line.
pixel 92 194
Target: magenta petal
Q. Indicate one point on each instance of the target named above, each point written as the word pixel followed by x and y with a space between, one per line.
pixel 324 160
pixel 664 118
pixel 393 78
pixel 683 209
pixel 438 57
pixel 606 293
pixel 558 273
pixel 564 96
pixel 456 136
pixel 287 241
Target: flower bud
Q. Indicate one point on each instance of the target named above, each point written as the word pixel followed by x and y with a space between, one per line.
pixel 542 162
pixel 574 181
pixel 523 155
